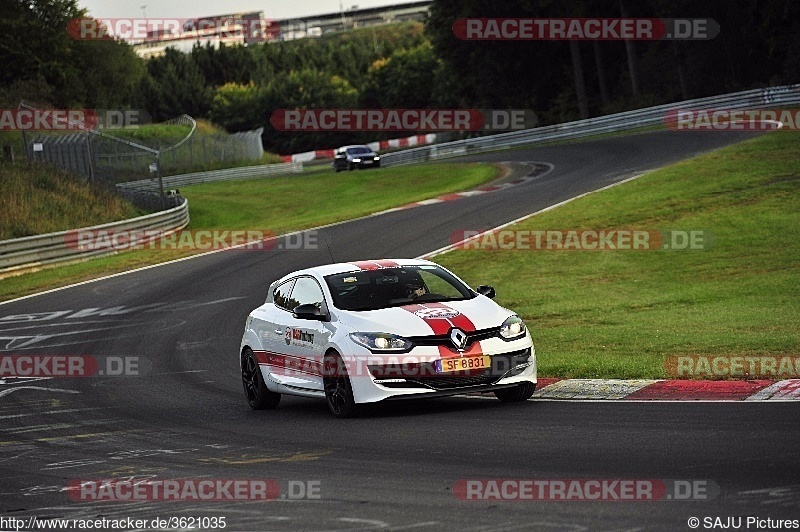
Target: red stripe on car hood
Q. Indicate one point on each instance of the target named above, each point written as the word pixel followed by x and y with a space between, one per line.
pixel 461 321
pixel 442 325
pixel 368 265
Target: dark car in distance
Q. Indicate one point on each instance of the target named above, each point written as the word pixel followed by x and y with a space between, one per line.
pixel 352 157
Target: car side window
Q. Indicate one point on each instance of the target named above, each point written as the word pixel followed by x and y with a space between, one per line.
pixel 280 296
pixel 306 290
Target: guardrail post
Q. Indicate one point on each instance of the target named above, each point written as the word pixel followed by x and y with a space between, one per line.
pixel 90 156
pixel 160 181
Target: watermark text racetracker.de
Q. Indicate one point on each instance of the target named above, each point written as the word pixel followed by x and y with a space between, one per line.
pixel 142 29
pixel 188 240
pixel 732 119
pixel 71 119
pixel 726 366
pixel 72 366
pixel 47 119
pixel 192 489
pixel 615 489
pixel 382 367
pixel 584 29
pixel 608 239
pixel 403 119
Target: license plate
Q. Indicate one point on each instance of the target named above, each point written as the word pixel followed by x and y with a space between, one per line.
pixel 367 162
pixel 449 365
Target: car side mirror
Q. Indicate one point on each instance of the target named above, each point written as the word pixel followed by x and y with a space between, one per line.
pixel 309 311
pixel 486 290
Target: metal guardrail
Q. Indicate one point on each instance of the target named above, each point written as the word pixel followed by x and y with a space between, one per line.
pixel 651 116
pixel 228 174
pixel 32 251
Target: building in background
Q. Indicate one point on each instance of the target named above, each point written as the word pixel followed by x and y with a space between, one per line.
pixel 231 29
pixel 253 28
pixel 352 17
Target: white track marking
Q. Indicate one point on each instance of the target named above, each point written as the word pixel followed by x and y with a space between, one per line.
pixel 143 268
pixel 451 247
pixel 7 391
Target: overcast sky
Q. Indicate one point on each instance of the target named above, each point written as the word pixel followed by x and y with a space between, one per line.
pixel 200 8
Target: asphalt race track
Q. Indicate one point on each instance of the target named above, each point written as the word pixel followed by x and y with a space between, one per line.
pixel 396 467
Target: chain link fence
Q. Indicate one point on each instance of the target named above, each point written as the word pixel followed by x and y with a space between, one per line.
pixel 143 155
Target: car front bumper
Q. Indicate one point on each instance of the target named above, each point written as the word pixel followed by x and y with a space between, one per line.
pixel 411 375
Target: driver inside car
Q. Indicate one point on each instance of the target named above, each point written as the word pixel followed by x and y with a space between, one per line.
pixel 414 290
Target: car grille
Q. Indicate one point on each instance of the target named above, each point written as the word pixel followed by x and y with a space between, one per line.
pixel 444 339
pixel 423 374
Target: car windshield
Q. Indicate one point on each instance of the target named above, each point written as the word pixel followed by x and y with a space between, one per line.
pixel 392 287
pixel 359 150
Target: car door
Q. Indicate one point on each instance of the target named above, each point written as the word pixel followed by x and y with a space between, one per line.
pixel 305 340
pixel 268 326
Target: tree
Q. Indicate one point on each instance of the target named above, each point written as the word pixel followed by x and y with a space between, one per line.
pixel 43 61
pixel 402 80
pixel 226 64
pixel 177 87
pixel 305 89
pixel 630 52
pixel 111 82
pixel 238 106
pixel 503 74
pixel 33 38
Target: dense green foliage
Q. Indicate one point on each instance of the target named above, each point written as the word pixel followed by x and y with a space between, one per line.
pixel 43 64
pixel 403 66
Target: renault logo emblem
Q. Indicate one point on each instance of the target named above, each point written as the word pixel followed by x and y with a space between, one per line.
pixel 459 339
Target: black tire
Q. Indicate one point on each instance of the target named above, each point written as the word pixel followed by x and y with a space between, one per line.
pixel 338 390
pixel 523 392
pixel 256 392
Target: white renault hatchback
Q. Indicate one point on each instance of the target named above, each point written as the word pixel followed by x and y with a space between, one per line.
pixel 369 331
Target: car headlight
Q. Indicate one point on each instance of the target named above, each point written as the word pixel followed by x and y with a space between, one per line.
pixel 381 342
pixel 512 328
pixel 356 160
pixel 377 158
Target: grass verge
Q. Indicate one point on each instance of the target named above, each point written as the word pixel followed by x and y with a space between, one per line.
pixel 278 205
pixel 39 199
pixel 321 197
pixel 621 314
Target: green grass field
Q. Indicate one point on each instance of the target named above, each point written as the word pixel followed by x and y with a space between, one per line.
pixel 322 197
pixel 621 313
pixel 611 313
pixel 276 205
pixel 41 199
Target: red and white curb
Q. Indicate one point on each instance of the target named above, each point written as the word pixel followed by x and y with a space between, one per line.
pixel 405 142
pixel 788 390
pixel 474 192
pixel 666 390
